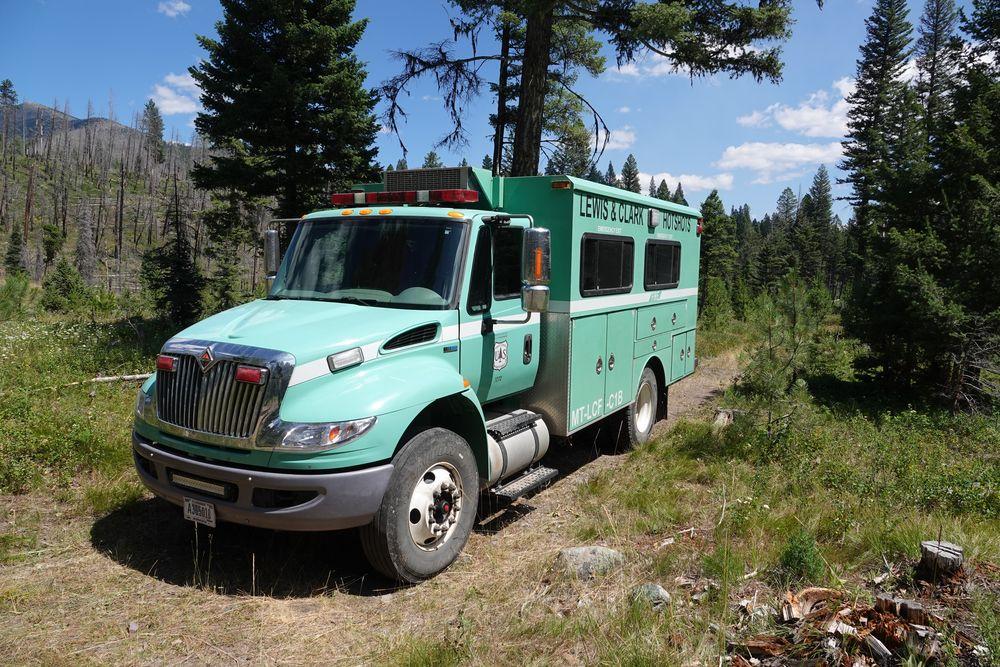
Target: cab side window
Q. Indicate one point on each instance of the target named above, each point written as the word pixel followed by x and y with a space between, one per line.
pixel 479 281
pixel 507 263
pixel 606 265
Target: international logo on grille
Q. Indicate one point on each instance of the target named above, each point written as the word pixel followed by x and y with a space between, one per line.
pixel 205 360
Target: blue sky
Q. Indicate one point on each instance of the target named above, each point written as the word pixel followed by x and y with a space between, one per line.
pixel 748 140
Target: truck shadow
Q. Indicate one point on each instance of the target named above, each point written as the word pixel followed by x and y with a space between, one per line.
pixel 151 537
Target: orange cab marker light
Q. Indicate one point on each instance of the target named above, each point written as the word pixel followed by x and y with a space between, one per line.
pixel 538 263
pixel 365 211
pixel 455 214
pixel 385 211
pixel 466 383
pixel 347 211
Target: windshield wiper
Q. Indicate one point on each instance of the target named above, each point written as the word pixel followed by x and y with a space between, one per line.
pixel 357 300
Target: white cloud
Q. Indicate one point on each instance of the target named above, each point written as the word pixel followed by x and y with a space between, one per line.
pixel 691 182
pixel 431 98
pixel 774 161
pixel 617 139
pixel 173 8
pixel 819 115
pixel 177 93
pixel 649 65
pixel 624 109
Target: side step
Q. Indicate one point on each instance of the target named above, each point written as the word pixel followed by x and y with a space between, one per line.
pixel 526 482
pixel 505 428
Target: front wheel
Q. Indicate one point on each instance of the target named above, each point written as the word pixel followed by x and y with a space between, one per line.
pixel 428 509
pixel 642 411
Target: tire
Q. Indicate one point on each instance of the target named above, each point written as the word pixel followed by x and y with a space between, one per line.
pixel 642 410
pixel 425 469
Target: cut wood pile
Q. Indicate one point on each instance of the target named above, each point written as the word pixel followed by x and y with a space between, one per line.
pixel 924 620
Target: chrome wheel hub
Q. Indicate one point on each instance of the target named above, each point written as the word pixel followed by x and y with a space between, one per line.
pixel 644 408
pixel 435 506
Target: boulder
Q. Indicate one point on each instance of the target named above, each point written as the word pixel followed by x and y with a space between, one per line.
pixel 588 562
pixel 655 594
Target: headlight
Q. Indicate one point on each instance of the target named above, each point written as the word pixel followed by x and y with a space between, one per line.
pixel 143 402
pixel 312 437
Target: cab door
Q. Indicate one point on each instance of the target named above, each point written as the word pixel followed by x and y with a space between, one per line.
pixel 499 343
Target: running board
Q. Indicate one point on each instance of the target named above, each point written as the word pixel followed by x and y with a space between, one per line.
pixel 525 483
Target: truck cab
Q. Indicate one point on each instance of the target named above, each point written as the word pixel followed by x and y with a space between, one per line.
pixel 420 344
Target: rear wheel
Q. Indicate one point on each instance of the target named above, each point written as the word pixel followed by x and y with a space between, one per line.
pixel 428 509
pixel 642 411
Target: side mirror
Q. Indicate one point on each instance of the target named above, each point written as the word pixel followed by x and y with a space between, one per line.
pixel 536 264
pixel 272 255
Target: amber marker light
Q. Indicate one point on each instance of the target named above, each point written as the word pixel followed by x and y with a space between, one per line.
pixel 561 185
pixel 347 211
pixel 385 211
pixel 455 214
pixel 365 211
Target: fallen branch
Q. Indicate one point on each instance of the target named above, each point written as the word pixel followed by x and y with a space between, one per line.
pixel 105 378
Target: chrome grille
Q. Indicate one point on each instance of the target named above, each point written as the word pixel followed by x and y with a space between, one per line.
pixel 210 402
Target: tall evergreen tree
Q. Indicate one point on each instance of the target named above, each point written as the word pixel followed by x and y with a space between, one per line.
pixel 678 196
pixel 807 242
pixel 432 161
pixel 401 164
pixel 820 214
pixel 170 274
pixel 594 174
pixel 572 155
pixel 718 244
pixel 630 175
pixel 285 103
pixel 879 86
pixel 610 177
pixel 13 262
pixel 652 187
pixel 937 51
pixel 151 127
pixel 487 162
pixel 663 191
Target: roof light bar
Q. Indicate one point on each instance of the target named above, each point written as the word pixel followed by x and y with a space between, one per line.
pixel 406 197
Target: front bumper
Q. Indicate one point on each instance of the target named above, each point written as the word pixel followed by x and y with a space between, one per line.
pixel 330 501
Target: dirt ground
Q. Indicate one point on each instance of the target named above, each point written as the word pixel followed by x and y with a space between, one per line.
pixel 140 585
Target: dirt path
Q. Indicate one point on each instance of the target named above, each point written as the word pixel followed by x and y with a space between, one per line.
pixel 142 586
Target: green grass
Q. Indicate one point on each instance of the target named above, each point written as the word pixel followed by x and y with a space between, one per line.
pixel 52 432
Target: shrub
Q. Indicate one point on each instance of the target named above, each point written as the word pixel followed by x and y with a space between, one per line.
pixel 63 290
pixel 800 558
pixel 13 295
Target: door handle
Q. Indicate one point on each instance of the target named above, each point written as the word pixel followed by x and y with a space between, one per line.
pixel 652 324
pixel 600 365
pixel 673 319
pixel 527 349
pixel 611 363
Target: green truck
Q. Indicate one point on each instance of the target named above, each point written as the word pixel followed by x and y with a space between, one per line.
pixel 421 345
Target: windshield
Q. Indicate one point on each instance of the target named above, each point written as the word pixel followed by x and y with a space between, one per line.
pixel 390 262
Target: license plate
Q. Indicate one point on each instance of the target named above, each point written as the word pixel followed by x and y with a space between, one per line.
pixel 199 511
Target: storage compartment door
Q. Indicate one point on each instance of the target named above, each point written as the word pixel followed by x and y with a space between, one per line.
pixel 678 355
pixel 587 369
pixel 689 354
pixel 618 388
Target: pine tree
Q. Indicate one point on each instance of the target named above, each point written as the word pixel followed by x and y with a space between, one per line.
pixel 718 244
pixel 630 175
pixel 879 86
pixel 663 191
pixel 594 174
pixel 610 177
pixel 86 252
pixel 806 242
pixel 488 162
pixel 169 274
pixel 401 164
pixel 937 52
pixel 151 127
pixel 13 262
pixel 652 187
pixel 432 161
pixel 63 290
pixel 292 128
pixel 572 155
pixel 776 257
pixel 678 196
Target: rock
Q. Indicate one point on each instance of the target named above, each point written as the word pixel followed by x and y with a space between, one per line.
pixel 588 562
pixel 655 594
pixel 133 628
